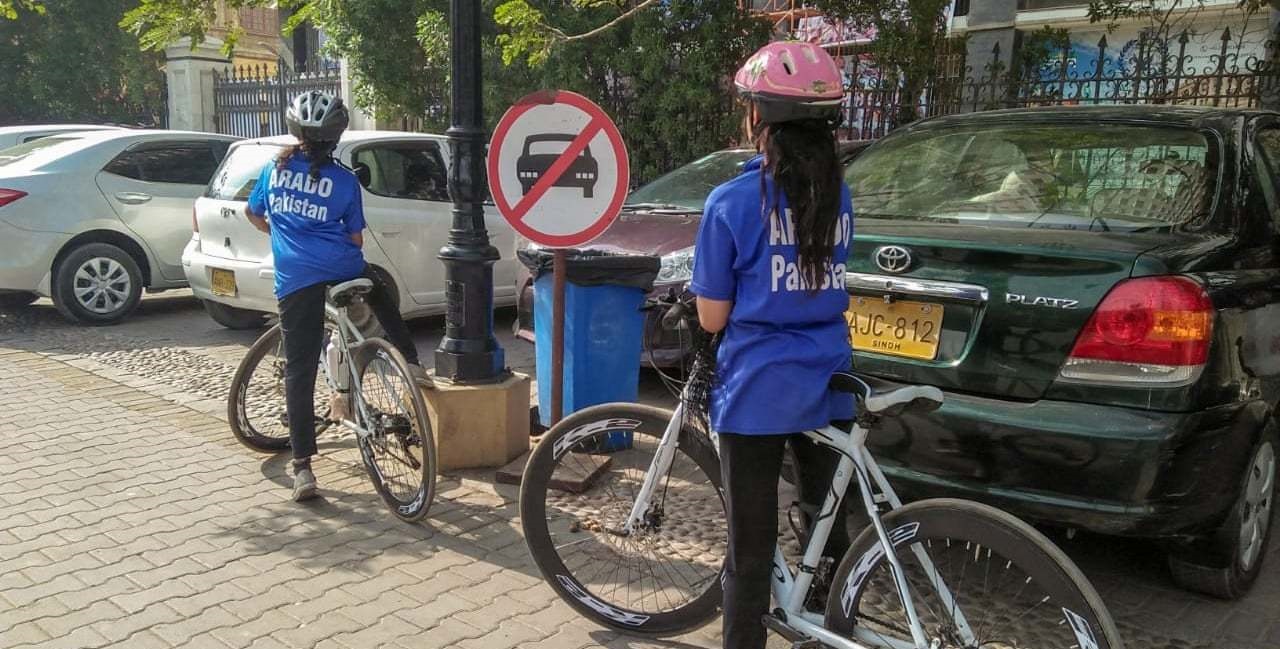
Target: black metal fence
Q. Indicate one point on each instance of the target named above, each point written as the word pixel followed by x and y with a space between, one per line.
pixel 1150 70
pixel 250 100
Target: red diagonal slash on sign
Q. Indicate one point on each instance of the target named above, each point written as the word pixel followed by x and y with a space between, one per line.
pixel 557 169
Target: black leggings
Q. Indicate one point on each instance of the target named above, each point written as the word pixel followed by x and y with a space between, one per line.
pixel 302 325
pixel 750 466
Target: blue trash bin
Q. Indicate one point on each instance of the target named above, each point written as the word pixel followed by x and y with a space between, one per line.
pixel 603 326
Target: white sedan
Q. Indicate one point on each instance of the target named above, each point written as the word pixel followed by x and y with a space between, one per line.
pixel 15 135
pixel 91 219
pixel 407 209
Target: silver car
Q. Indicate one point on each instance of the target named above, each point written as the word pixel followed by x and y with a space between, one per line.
pixel 92 219
pixel 15 135
pixel 407 209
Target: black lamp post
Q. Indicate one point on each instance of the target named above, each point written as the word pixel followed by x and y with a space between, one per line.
pixel 468 353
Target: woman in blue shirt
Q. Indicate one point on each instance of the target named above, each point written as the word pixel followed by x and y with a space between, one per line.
pixel 311 207
pixel 769 273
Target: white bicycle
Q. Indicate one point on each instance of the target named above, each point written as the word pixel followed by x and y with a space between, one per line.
pixel 634 539
pixel 387 412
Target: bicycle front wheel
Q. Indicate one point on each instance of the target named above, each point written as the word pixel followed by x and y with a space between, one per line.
pixel 577 492
pixel 979 578
pixel 399 451
pixel 256 405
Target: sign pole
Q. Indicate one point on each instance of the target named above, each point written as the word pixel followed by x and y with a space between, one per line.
pixel 557 340
pixel 559 175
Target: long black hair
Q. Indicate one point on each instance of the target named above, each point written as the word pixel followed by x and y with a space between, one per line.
pixel 801 157
pixel 319 153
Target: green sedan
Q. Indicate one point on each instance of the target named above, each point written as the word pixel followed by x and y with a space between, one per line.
pixel 1096 291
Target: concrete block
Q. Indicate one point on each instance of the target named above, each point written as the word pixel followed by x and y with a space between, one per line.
pixel 479 426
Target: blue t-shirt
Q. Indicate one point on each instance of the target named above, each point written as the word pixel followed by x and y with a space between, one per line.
pixel 783 341
pixel 311 223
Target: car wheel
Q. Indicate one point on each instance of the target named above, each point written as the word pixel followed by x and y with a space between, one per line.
pixel 1226 563
pixel 17 299
pixel 97 284
pixel 233 318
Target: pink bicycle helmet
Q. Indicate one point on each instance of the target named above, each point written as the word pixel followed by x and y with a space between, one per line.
pixel 791 80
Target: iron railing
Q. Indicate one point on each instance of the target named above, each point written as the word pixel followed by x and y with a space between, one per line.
pixel 1149 70
pixel 250 100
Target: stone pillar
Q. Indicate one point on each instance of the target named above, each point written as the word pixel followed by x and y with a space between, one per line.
pixel 990 22
pixel 189 74
pixel 361 120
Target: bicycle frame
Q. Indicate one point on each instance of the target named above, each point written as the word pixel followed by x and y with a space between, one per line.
pixel 348 336
pixel 791 588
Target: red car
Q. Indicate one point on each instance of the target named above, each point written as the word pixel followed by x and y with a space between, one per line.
pixel 661 219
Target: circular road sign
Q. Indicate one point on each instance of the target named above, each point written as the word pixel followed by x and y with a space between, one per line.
pixel 558 169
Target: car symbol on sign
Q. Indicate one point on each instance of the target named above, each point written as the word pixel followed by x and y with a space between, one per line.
pixel 542 150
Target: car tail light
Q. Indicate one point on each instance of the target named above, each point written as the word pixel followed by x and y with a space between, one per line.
pixel 10 195
pixel 1149 331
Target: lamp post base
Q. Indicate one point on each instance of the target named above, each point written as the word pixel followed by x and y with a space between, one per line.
pixel 471 367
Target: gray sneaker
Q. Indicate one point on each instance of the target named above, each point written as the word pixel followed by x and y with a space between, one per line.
pixel 304 485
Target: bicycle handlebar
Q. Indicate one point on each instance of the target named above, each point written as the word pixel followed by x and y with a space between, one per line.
pixel 680 311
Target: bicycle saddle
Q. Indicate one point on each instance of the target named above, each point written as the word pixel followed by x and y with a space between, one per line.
pixel 887 400
pixel 342 294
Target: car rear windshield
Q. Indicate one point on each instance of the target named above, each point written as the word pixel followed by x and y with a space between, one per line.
pixel 1069 176
pixel 27 150
pixel 235 179
pixel 688 186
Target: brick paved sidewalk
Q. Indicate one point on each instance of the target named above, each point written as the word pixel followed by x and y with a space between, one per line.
pixel 129 517
pixel 129 520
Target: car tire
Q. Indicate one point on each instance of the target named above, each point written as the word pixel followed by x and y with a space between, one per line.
pixel 107 303
pixel 233 318
pixel 1225 563
pixel 17 299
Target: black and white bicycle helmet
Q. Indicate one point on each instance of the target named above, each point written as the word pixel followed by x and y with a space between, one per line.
pixel 317 116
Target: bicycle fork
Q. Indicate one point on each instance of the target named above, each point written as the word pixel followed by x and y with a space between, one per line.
pixel 659 467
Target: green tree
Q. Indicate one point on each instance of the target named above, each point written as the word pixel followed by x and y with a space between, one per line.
pixel 9 8
pixel 660 69
pixel 663 74
pixel 910 38
pixel 70 62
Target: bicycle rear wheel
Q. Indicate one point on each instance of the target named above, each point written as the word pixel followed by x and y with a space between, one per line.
pixel 399 452
pixel 1011 586
pixel 576 494
pixel 256 405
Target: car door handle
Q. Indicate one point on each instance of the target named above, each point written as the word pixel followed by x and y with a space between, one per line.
pixel 389 233
pixel 132 198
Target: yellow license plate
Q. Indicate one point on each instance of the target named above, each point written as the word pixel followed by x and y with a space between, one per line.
pixel 223 282
pixel 899 328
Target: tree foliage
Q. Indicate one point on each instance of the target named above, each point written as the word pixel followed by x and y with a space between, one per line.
pixel 660 69
pixel 528 35
pixel 9 8
pixel 663 74
pixel 70 62
pixel 910 37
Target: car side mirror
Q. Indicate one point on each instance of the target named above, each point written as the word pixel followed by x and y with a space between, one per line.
pixel 363 174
